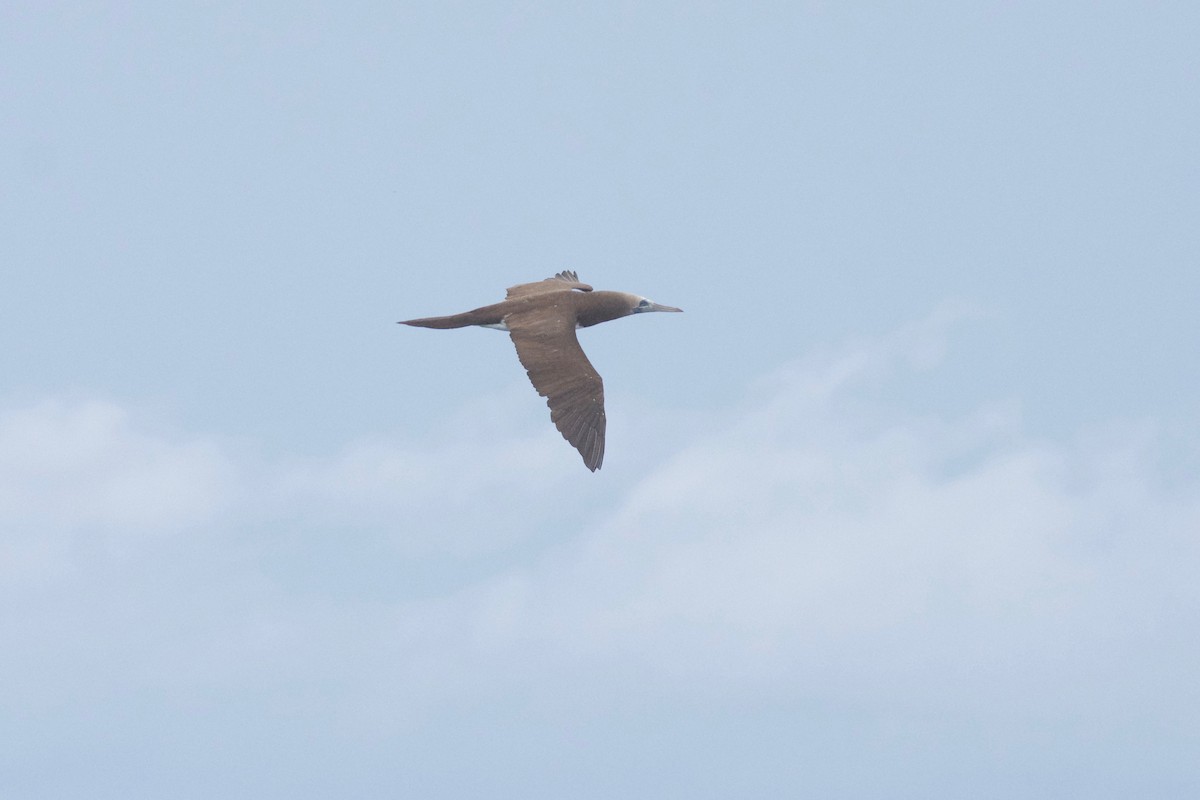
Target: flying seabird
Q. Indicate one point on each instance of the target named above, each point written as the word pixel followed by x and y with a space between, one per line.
pixel 541 318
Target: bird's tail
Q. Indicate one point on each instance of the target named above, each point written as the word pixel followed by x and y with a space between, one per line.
pixel 488 315
pixel 452 321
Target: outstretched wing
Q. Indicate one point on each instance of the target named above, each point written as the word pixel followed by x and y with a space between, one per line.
pixel 559 370
pixel 564 281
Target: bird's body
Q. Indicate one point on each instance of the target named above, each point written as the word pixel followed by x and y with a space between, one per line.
pixel 541 318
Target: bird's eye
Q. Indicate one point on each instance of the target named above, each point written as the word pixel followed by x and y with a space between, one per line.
pixel 643 304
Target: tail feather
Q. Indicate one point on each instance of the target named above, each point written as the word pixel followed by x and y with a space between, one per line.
pixel 452 321
pixel 488 315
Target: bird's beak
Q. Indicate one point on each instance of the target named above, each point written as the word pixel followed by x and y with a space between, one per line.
pixel 657 307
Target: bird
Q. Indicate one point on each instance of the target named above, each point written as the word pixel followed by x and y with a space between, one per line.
pixel 541 319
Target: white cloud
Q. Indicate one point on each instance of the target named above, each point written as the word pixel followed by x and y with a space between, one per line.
pixel 77 476
pixel 817 544
pixel 86 465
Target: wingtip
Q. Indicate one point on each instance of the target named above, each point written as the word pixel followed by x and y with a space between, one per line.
pixel 594 460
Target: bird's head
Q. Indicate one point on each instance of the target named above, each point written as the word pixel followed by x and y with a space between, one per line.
pixel 641 305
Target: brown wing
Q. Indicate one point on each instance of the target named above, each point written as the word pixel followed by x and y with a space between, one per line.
pixel 564 281
pixel 559 370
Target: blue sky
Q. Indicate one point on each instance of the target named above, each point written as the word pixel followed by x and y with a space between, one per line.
pixel 904 505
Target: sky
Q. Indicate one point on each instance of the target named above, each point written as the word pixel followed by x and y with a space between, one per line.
pixel 905 505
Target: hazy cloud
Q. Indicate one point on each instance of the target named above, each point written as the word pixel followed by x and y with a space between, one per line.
pixel 817 546
pixel 86 464
pixel 76 476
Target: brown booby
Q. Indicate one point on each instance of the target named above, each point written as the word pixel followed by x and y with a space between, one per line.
pixel 541 318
